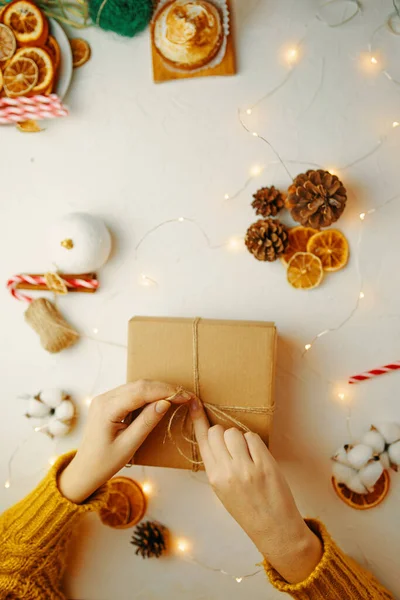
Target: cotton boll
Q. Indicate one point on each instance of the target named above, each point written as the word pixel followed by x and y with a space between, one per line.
pixel 376 440
pixel 359 455
pixel 37 409
pixel 65 411
pixel 394 453
pixel 52 397
pixel 370 474
pixel 390 431
pixel 385 460
pixel 355 485
pixel 57 428
pixel 342 473
pixel 341 455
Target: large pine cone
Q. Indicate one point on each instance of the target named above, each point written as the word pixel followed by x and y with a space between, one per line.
pixel 316 199
pixel 268 201
pixel 267 239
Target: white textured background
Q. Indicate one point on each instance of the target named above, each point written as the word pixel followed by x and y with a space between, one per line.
pixel 137 154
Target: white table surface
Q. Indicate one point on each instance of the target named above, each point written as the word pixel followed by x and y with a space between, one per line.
pixel 137 154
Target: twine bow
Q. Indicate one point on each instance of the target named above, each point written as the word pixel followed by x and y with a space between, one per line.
pixel 221 412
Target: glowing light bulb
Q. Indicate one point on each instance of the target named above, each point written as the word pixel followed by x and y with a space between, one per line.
pixel 88 400
pixel 147 487
pixel 226 196
pixel 53 460
pixel 373 60
pixel 307 347
pixel 341 395
pixel 239 579
pixel 95 330
pixel 395 124
pixel 255 133
pixel 7 484
pixel 292 56
pixel 182 546
pixel 362 216
pixel 144 280
pixel 332 171
pixel 181 219
pixel 234 244
pixel 256 170
pixel 249 111
pixel 362 295
pixel 37 429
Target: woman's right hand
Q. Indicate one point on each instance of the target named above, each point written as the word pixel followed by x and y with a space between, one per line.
pixel 250 485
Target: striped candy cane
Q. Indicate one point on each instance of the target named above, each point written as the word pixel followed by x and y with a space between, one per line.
pixel 375 372
pixel 71 283
pixel 15 110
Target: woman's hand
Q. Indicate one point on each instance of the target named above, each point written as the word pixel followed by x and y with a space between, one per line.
pixel 250 485
pixel 111 439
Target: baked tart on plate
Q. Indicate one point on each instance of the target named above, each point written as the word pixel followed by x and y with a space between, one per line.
pixel 188 34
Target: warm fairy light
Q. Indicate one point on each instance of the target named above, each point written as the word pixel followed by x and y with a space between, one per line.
pixel 235 243
pixel 226 196
pixel 182 546
pixel 292 56
pixel 37 429
pixel 255 133
pixel 395 124
pixel 332 171
pixel 147 487
pixel 95 330
pixel 256 170
pixel 53 460
pixel 341 395
pixel 7 484
pixel 239 579
pixel 374 60
pixel 307 347
pixel 249 111
pixel 362 216
pixel 146 281
pixel 88 401
pixel 181 219
pixel 362 295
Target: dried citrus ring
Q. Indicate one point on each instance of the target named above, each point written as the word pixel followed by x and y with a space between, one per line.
pixel 304 271
pixel 54 50
pixel 331 247
pixel 20 77
pixel 298 238
pixel 80 52
pixel 8 43
pixel 29 126
pixel 136 498
pixel 27 21
pixel 117 512
pixel 364 501
pixel 45 65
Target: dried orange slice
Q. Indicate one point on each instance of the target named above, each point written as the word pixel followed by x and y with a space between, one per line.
pixel 80 52
pixel 331 247
pixel 45 65
pixel 304 271
pixel 27 21
pixel 20 77
pixel 117 512
pixel 29 126
pixel 364 501
pixel 1 81
pixel 136 498
pixel 8 43
pixel 298 238
pixel 54 50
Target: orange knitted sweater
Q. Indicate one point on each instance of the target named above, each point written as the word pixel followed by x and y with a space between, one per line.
pixel 34 534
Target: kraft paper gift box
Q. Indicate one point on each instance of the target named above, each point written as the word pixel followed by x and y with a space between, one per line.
pixel 235 369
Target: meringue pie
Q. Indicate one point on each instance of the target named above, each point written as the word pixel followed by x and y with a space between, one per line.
pixel 188 33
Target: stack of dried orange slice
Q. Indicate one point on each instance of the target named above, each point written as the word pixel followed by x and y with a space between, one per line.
pixel 126 504
pixel 311 253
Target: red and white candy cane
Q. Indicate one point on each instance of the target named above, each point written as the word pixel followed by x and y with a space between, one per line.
pixel 395 366
pixel 38 280
pixel 15 110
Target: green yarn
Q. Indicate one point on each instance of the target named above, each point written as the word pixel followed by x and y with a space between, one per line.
pixel 125 17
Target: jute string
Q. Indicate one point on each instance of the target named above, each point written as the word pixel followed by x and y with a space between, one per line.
pixel 220 412
pixel 54 331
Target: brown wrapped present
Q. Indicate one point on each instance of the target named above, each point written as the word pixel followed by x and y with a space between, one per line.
pixel 230 364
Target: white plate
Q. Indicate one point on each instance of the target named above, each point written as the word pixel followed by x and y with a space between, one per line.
pixel 65 72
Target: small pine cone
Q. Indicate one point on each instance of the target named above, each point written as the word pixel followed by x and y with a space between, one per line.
pixel 316 199
pixel 268 201
pixel 150 539
pixel 267 239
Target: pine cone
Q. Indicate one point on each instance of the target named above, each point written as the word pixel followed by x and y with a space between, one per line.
pixel 267 239
pixel 268 201
pixel 150 539
pixel 316 199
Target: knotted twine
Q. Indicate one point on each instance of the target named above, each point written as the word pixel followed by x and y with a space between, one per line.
pixel 221 412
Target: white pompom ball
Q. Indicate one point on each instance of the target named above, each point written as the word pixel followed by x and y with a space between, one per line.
pixel 79 243
pixel 359 455
pixel 390 431
pixel 342 473
pixel 57 428
pixel 340 456
pixel 52 397
pixel 394 453
pixel 355 485
pixel 370 474
pixel 374 439
pixel 37 409
pixel 65 411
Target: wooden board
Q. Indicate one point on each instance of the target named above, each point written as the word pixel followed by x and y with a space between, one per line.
pixel 162 71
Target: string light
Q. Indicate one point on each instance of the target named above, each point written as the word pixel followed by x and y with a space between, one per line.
pixel 307 347
pixel 147 488
pixel 256 170
pixel 292 56
pixel 226 196
pixel 373 60
pixel 146 281
pixel 88 401
pixel 395 124
pixel 53 460
pixel 95 330
pixel 255 133
pixel 182 546
pixel 239 579
pixel 362 295
pixel 362 216
pixel 181 219
pixel 248 111
pixel 7 484
pixel 235 243
pixel 341 395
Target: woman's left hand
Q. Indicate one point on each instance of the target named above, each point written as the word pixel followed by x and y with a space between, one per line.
pixel 111 439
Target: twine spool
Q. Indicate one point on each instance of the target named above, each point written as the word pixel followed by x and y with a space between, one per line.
pixel 54 331
pixel 125 17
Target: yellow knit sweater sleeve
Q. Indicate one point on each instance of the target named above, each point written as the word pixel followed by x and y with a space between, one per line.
pixel 34 535
pixel 336 577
